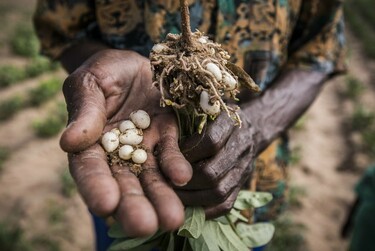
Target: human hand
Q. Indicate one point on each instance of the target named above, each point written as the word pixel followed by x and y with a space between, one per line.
pixel 222 161
pixel 222 157
pixel 103 91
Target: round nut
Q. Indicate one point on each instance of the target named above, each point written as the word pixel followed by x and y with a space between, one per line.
pixel 110 141
pixel 139 156
pixel 141 119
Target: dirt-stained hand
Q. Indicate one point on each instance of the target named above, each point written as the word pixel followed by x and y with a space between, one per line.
pixel 222 157
pixel 103 91
pixel 222 161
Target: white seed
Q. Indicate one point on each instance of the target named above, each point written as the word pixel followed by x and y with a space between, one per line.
pixel 229 81
pixel 131 137
pixel 110 141
pixel 158 48
pixel 139 156
pixel 210 109
pixel 116 131
pixel 125 152
pixel 215 70
pixel 125 125
pixel 141 119
pixel 203 40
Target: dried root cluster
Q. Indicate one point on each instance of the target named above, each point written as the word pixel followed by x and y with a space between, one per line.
pixel 123 145
pixel 195 79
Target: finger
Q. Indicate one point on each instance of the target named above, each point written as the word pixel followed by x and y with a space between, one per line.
pixel 208 172
pixel 223 208
pixel 225 187
pixel 94 180
pixel 245 167
pixel 202 146
pixel 212 196
pixel 167 205
pixel 135 212
pixel 171 160
pixel 86 108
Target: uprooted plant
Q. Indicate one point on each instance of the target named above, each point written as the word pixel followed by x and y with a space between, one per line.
pixel 194 75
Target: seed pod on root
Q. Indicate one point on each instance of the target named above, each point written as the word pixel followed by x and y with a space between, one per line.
pixel 183 70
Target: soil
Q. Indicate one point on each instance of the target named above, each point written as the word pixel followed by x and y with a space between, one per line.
pixel 30 184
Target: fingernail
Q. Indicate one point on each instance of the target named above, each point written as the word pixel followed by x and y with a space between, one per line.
pixel 180 184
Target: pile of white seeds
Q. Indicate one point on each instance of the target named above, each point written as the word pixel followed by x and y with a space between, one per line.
pixel 123 145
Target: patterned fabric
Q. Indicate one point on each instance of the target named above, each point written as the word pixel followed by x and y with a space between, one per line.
pixel 270 175
pixel 263 36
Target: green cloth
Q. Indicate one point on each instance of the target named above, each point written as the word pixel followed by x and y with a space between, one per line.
pixel 363 238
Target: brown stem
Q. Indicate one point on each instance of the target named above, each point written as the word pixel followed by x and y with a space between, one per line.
pixel 185 23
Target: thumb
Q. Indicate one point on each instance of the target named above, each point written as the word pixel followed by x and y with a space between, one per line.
pixel 86 109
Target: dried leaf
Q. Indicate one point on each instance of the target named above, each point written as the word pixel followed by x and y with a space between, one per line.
pixel 248 199
pixel 243 77
pixel 256 235
pixel 194 222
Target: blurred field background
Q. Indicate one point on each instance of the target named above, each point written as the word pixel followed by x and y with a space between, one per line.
pixel 331 145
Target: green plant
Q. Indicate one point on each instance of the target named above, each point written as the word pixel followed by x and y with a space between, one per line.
pixel 197 233
pixel 45 243
pixel 45 91
pixel 362 119
pixel 369 141
pixel 4 155
pixel 10 106
pixel 295 155
pixel 24 41
pixel 55 212
pixel 288 236
pixel 300 123
pixel 10 74
pixel 12 238
pixel 295 195
pixel 53 123
pixel 354 87
pixel 361 27
pixel 68 185
pixel 39 65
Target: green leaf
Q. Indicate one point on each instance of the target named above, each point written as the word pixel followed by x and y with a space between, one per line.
pixel 116 231
pixel 248 199
pixel 146 246
pixel 237 216
pixel 198 244
pixel 129 243
pixel 171 242
pixel 229 240
pixel 256 235
pixel 194 222
pixel 222 219
pixel 209 236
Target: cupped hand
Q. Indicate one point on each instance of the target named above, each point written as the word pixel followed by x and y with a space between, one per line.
pixel 222 160
pixel 99 94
